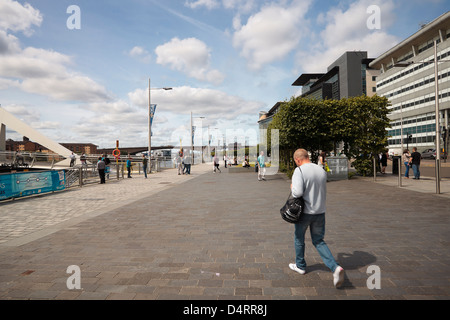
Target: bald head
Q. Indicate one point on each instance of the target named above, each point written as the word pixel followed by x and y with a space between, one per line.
pixel 301 154
pixel 301 157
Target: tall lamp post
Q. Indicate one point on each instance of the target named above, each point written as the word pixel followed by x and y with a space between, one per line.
pixel 192 137
pixel 150 115
pixel 437 117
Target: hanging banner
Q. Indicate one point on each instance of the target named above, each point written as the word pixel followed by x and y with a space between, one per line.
pixel 193 133
pixel 152 114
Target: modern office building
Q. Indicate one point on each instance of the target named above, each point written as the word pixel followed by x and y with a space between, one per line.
pixel 346 77
pixel 265 118
pixel 407 79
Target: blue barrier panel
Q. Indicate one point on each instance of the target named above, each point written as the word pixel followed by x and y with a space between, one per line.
pixel 23 184
pixel 6 186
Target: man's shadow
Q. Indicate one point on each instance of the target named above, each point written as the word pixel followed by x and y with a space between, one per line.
pixel 348 261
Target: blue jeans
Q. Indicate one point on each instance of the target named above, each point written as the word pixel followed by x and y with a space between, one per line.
pixel 416 171
pixel 316 224
pixel 407 169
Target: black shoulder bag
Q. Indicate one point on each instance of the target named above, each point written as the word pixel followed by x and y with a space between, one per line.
pixel 293 208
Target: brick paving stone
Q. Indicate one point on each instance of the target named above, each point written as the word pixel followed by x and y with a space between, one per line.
pixel 212 236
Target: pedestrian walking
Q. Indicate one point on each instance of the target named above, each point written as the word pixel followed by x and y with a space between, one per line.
pixel 144 165
pixel 216 164
pixel 179 165
pixel 310 182
pixel 107 164
pixel 72 159
pixel 406 158
pixel 129 165
pixel 187 163
pixel 261 167
pixel 322 160
pixel 383 161
pixel 101 166
pixel 415 161
pixel 83 160
pixel 181 155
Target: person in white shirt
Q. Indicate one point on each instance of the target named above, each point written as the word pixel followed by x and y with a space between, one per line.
pixel 310 182
pixel 216 164
pixel 187 163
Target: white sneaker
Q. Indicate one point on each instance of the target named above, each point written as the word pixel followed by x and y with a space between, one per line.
pixel 294 267
pixel 338 277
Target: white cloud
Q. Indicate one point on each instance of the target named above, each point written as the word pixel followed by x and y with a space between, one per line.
pixel 347 31
pixel 70 87
pixel 210 4
pixel 213 104
pixel 270 34
pixel 243 6
pixel 22 112
pixel 8 43
pixel 140 54
pixel 45 73
pixel 190 56
pixel 15 17
pixel 33 63
pixel 35 70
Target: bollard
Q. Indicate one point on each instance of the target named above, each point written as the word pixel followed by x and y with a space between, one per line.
pixel 81 176
pixel 399 172
pixel 374 169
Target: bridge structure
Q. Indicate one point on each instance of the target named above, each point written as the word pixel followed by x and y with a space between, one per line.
pixel 8 120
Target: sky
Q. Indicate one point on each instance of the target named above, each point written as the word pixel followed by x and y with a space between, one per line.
pixel 81 74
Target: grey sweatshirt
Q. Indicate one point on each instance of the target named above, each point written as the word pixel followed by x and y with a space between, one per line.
pixel 311 183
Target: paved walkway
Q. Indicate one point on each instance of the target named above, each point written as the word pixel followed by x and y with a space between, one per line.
pixel 220 236
pixel 424 185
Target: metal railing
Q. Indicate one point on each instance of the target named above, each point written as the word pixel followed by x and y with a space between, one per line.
pixel 82 172
pixel 21 160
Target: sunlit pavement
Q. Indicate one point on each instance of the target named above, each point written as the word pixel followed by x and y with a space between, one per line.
pixel 220 236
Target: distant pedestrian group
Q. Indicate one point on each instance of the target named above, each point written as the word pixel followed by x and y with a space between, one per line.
pixel 183 163
pixel 412 160
pixel 103 168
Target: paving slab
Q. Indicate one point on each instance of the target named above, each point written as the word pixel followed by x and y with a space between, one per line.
pixel 219 236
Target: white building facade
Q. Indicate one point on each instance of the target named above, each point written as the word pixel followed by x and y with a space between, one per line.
pixel 407 79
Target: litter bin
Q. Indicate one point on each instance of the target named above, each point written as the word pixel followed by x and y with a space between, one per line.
pixel 395 161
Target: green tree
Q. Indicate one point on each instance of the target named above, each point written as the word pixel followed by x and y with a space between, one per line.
pixel 302 123
pixel 359 122
pixel 364 129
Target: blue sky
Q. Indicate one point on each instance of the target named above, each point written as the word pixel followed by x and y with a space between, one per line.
pixel 226 60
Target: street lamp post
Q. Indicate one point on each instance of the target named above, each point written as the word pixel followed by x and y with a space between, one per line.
pixel 192 138
pixel 149 154
pixel 438 126
pixel 150 123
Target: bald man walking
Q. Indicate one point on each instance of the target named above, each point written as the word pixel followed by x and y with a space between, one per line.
pixel 310 182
